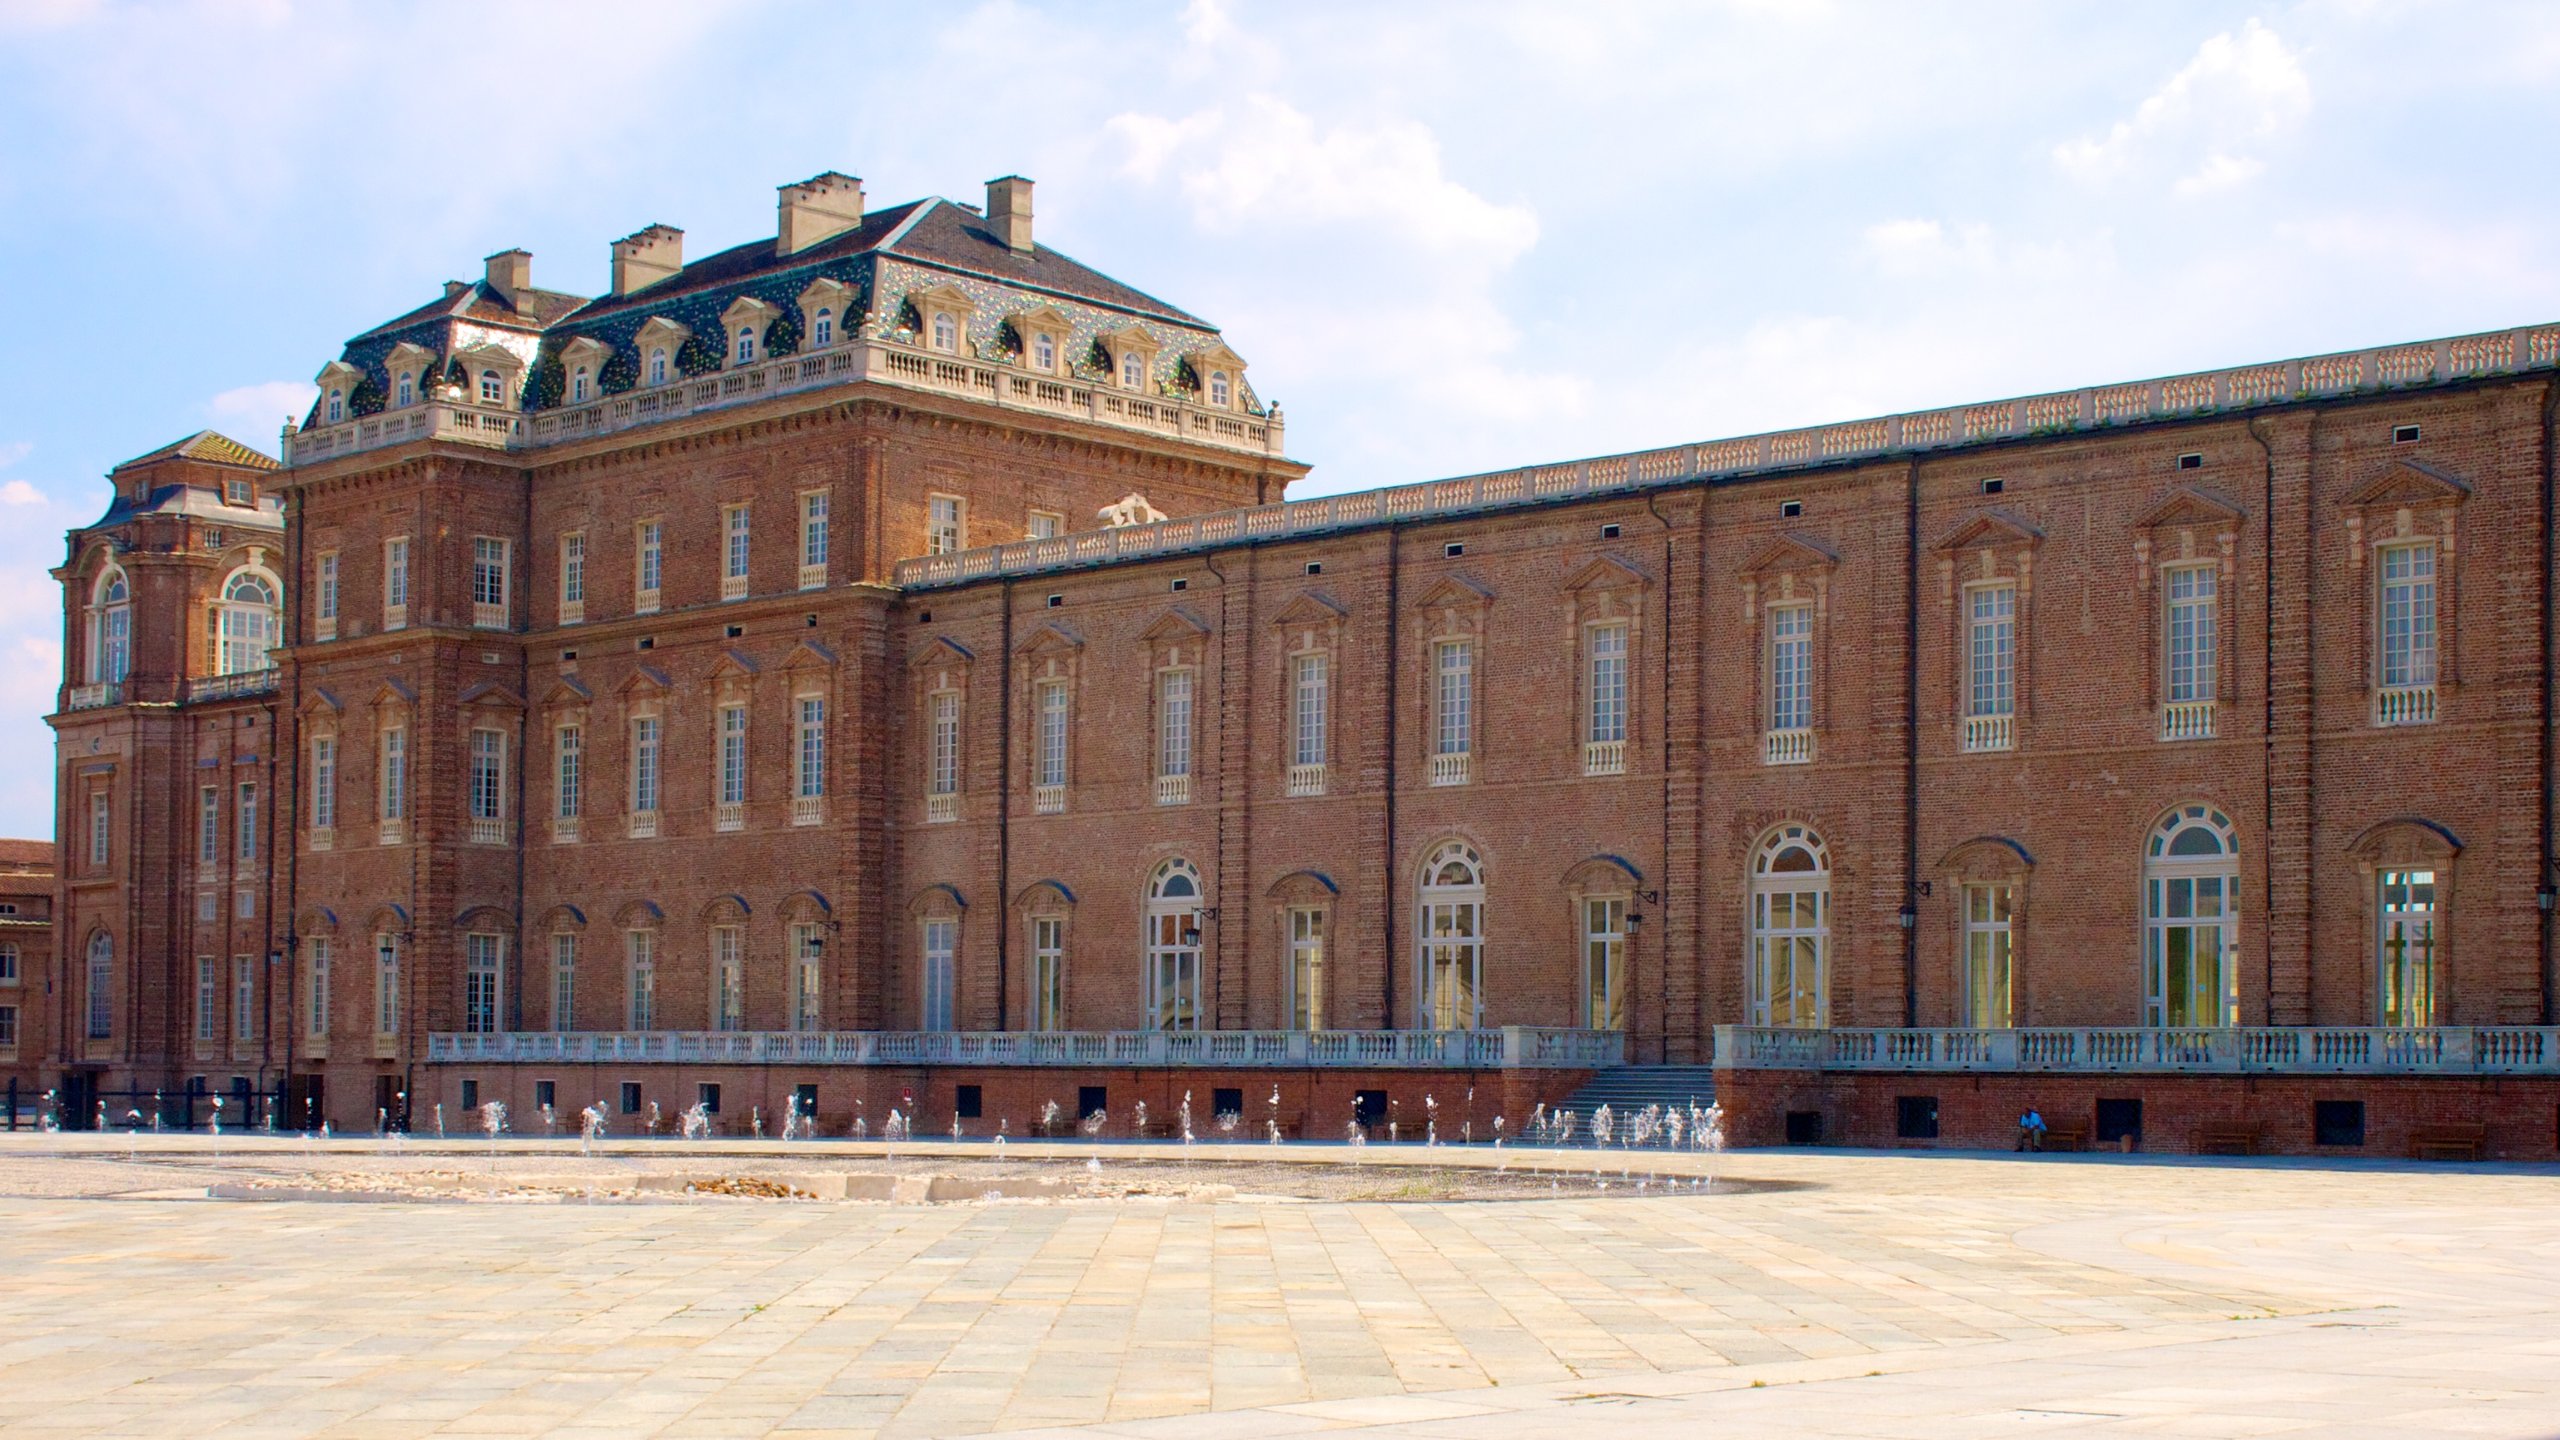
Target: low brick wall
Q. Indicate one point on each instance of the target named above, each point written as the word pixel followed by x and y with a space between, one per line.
pixel 1314 1103
pixel 1974 1112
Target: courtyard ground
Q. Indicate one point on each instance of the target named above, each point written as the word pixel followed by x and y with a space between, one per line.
pixel 525 1288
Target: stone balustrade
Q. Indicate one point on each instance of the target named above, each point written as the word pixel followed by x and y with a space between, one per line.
pixel 232 686
pixel 1512 1047
pixel 2280 1050
pixel 2318 377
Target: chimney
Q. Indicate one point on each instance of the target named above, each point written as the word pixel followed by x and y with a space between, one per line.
pixel 510 273
pixel 818 208
pixel 644 259
pixel 1009 211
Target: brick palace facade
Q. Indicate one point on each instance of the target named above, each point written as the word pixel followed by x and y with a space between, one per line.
pixel 880 666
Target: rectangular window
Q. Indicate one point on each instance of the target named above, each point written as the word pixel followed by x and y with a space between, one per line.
pixel 208 825
pixel 2407 948
pixel 101 828
pixel 328 598
pixel 808 972
pixel 1310 689
pixel 8 1027
pixel 568 750
pixel 248 822
pixel 102 994
pixel 8 964
pixel 646 562
pixel 733 755
pixel 946 743
pixel 644 765
pixel 1053 734
pixel 244 998
pixel 573 577
pixel 1991 646
pixel 813 539
pixel 2408 616
pixel 316 988
pixel 641 948
pixel 1989 968
pixel 208 998
pixel 2191 633
pixel 395 582
pixel 1608 685
pixel 395 773
pixel 481 958
pixel 1306 968
pixel 1790 667
pixel 564 982
pixel 245 904
pixel 207 908
pixel 809 778
pixel 733 552
pixel 1453 712
pixel 728 977
pixel 1048 972
pixel 488 581
pixel 488 785
pixel 943 525
pixel 386 985
pixel 324 782
pixel 1173 723
pixel 1046 525
pixel 1604 963
pixel 941 956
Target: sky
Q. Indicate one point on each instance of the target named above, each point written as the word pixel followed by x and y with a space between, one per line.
pixel 1448 237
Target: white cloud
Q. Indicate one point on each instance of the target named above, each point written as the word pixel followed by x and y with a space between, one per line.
pixel 15 451
pixel 19 492
pixel 2242 90
pixel 251 414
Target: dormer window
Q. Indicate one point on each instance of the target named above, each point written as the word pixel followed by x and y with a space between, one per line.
pixel 493 391
pixel 1221 389
pixel 658 366
pixel 746 344
pixel 337 406
pixel 1044 352
pixel 1133 370
pixel 245 624
pixel 946 333
pixel 235 492
pixel 578 387
pixel 823 332
pixel 408 390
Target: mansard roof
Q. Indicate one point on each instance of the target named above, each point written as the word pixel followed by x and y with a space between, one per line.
pixel 210 447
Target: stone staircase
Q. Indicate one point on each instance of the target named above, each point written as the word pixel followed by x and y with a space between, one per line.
pixel 1629 1088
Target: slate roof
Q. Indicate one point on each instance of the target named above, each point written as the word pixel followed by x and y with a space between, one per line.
pixel 212 447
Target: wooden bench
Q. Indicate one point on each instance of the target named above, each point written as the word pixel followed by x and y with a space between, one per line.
pixel 2067 1136
pixel 2227 1137
pixel 2463 1141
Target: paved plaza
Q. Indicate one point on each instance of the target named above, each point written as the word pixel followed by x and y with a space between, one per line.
pixel 1856 1295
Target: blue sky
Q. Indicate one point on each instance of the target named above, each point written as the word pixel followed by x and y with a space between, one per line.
pixel 1448 236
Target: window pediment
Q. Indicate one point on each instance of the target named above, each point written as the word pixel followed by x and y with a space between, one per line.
pixel 1792 551
pixel 943 650
pixel 644 682
pixel 408 356
pixel 1310 608
pixel 490 695
pixel 394 694
pixel 2404 841
pixel 1987 857
pixel 747 310
pixel 338 375
pixel 808 655
pixel 321 703
pixel 2189 508
pixel 1992 529
pixel 568 694
pixel 1045 897
pixel 1050 640
pixel 2406 484
pixel 1454 592
pixel 1175 626
pixel 734 666
pixel 658 332
pixel 1606 573
pixel 586 350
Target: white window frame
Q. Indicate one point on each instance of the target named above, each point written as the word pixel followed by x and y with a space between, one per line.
pixel 728 977
pixel 395 582
pixel 483 977
pixel 492 560
pixel 564 980
pixel 809 759
pixel 946 525
pixel 1176 714
pixel 386 984
pixel 2408 946
pixel 1604 961
pixel 1988 963
pixel 2187 899
pixel 648 737
pixel 316 986
pixel 729 766
pixel 1789 958
pixel 737 550
pixel 325 605
pixel 1305 931
pixel 808 977
pixel 648 564
pixel 488 806
pixel 640 979
pixel 1453 692
pixel 1449 937
pixel 324 784
pixel 939 973
pixel 814 505
pixel 1172 937
pixel 573 577
pixel 1048 1007
pixel 1051 705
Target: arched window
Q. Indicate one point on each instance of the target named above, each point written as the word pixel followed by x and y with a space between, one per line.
pixel 110 629
pixel 1791 930
pixel 1173 947
pixel 102 986
pixel 1133 370
pixel 658 365
pixel 1221 390
pixel 408 389
pixel 2190 920
pixel 245 628
pixel 578 386
pixel 493 391
pixel 946 333
pixel 337 406
pixel 1044 352
pixel 1452 934
pixel 822 329
pixel 746 344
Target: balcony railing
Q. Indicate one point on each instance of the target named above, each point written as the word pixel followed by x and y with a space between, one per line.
pixel 729 815
pixel 2186 720
pixel 644 602
pixel 1514 1047
pixel 232 686
pixel 488 830
pixel 391 832
pixel 1604 757
pixel 320 837
pixel 808 809
pixel 1787 747
pixel 644 824
pixel 564 830
pixel 573 612
pixel 93 697
pixel 325 628
pixel 1048 799
pixel 2404 705
pixel 1307 779
pixel 1988 732
pixel 2446 1050
pixel 1455 767
pixel 733 587
pixel 941 807
pixel 1173 789
pixel 485 616
pixel 492 426
pixel 813 577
